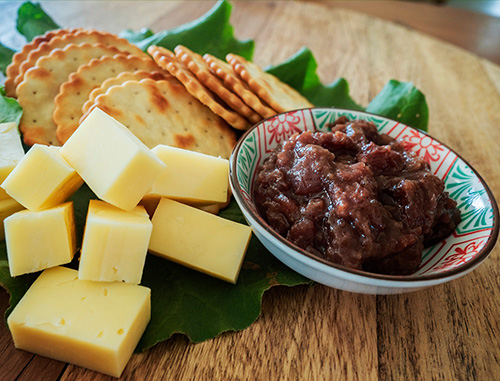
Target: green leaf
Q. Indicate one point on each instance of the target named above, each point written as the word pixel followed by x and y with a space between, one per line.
pixel 403 102
pixel 184 300
pixel 5 57
pixel 135 37
pixel 10 110
pixel 299 71
pixel 211 33
pixel 33 21
pixel 17 286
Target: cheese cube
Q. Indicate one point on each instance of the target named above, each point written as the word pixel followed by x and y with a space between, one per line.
pixel 191 177
pixel 115 243
pixel 38 240
pixel 199 240
pixel 96 325
pixel 11 152
pixel 114 163
pixel 8 207
pixel 42 179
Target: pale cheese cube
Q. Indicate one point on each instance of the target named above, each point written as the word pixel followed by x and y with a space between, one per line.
pixel 200 240
pixel 191 177
pixel 114 163
pixel 115 243
pixel 8 207
pixel 42 179
pixel 39 240
pixel 11 152
pixel 96 325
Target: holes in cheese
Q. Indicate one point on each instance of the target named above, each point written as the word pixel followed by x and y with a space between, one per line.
pixel 191 177
pixel 42 179
pixel 114 163
pixel 115 243
pixel 11 152
pixel 41 239
pixel 199 240
pixel 71 320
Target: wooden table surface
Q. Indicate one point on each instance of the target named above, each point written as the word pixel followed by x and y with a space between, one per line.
pixel 451 331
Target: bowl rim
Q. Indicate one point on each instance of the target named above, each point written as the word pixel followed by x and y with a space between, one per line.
pixel 468 266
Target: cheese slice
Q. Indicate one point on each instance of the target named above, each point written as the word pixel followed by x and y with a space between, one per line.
pixel 115 243
pixel 191 177
pixel 8 207
pixel 200 240
pixel 96 325
pixel 39 240
pixel 114 163
pixel 11 152
pixel 42 179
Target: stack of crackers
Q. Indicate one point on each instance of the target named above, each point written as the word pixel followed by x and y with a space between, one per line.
pixel 180 99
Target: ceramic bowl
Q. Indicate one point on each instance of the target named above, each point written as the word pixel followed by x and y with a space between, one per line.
pixel 457 255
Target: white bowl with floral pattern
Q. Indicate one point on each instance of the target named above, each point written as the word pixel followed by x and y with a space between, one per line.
pixel 458 254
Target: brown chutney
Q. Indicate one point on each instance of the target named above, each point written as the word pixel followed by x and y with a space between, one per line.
pixel 354 197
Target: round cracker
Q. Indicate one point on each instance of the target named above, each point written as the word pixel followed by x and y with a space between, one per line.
pixel 120 79
pixel 78 37
pixel 41 85
pixel 163 112
pixel 175 67
pixel 197 65
pixel 75 92
pixel 225 72
pixel 17 59
pixel 275 93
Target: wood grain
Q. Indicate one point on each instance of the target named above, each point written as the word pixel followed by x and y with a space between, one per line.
pixel 451 331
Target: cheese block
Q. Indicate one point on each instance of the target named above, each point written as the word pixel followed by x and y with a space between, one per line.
pixel 42 179
pixel 115 243
pixel 200 240
pixel 11 151
pixel 96 325
pixel 39 240
pixel 191 177
pixel 8 207
pixel 114 163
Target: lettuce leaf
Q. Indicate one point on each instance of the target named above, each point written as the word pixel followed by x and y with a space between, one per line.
pixel 10 110
pixel 212 33
pixel 400 101
pixel 5 57
pixel 403 102
pixel 299 71
pixel 33 21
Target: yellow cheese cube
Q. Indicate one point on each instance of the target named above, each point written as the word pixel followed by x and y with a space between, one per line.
pixel 11 152
pixel 8 207
pixel 199 240
pixel 191 177
pixel 38 240
pixel 96 325
pixel 115 243
pixel 42 179
pixel 114 163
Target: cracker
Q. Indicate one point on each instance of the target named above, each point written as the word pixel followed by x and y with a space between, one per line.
pixel 18 58
pixel 120 79
pixel 41 85
pixel 195 88
pixel 75 92
pixel 275 93
pixel 225 72
pixel 163 112
pixel 200 68
pixel 78 37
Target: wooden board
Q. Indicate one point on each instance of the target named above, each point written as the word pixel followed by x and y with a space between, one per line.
pixel 449 331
